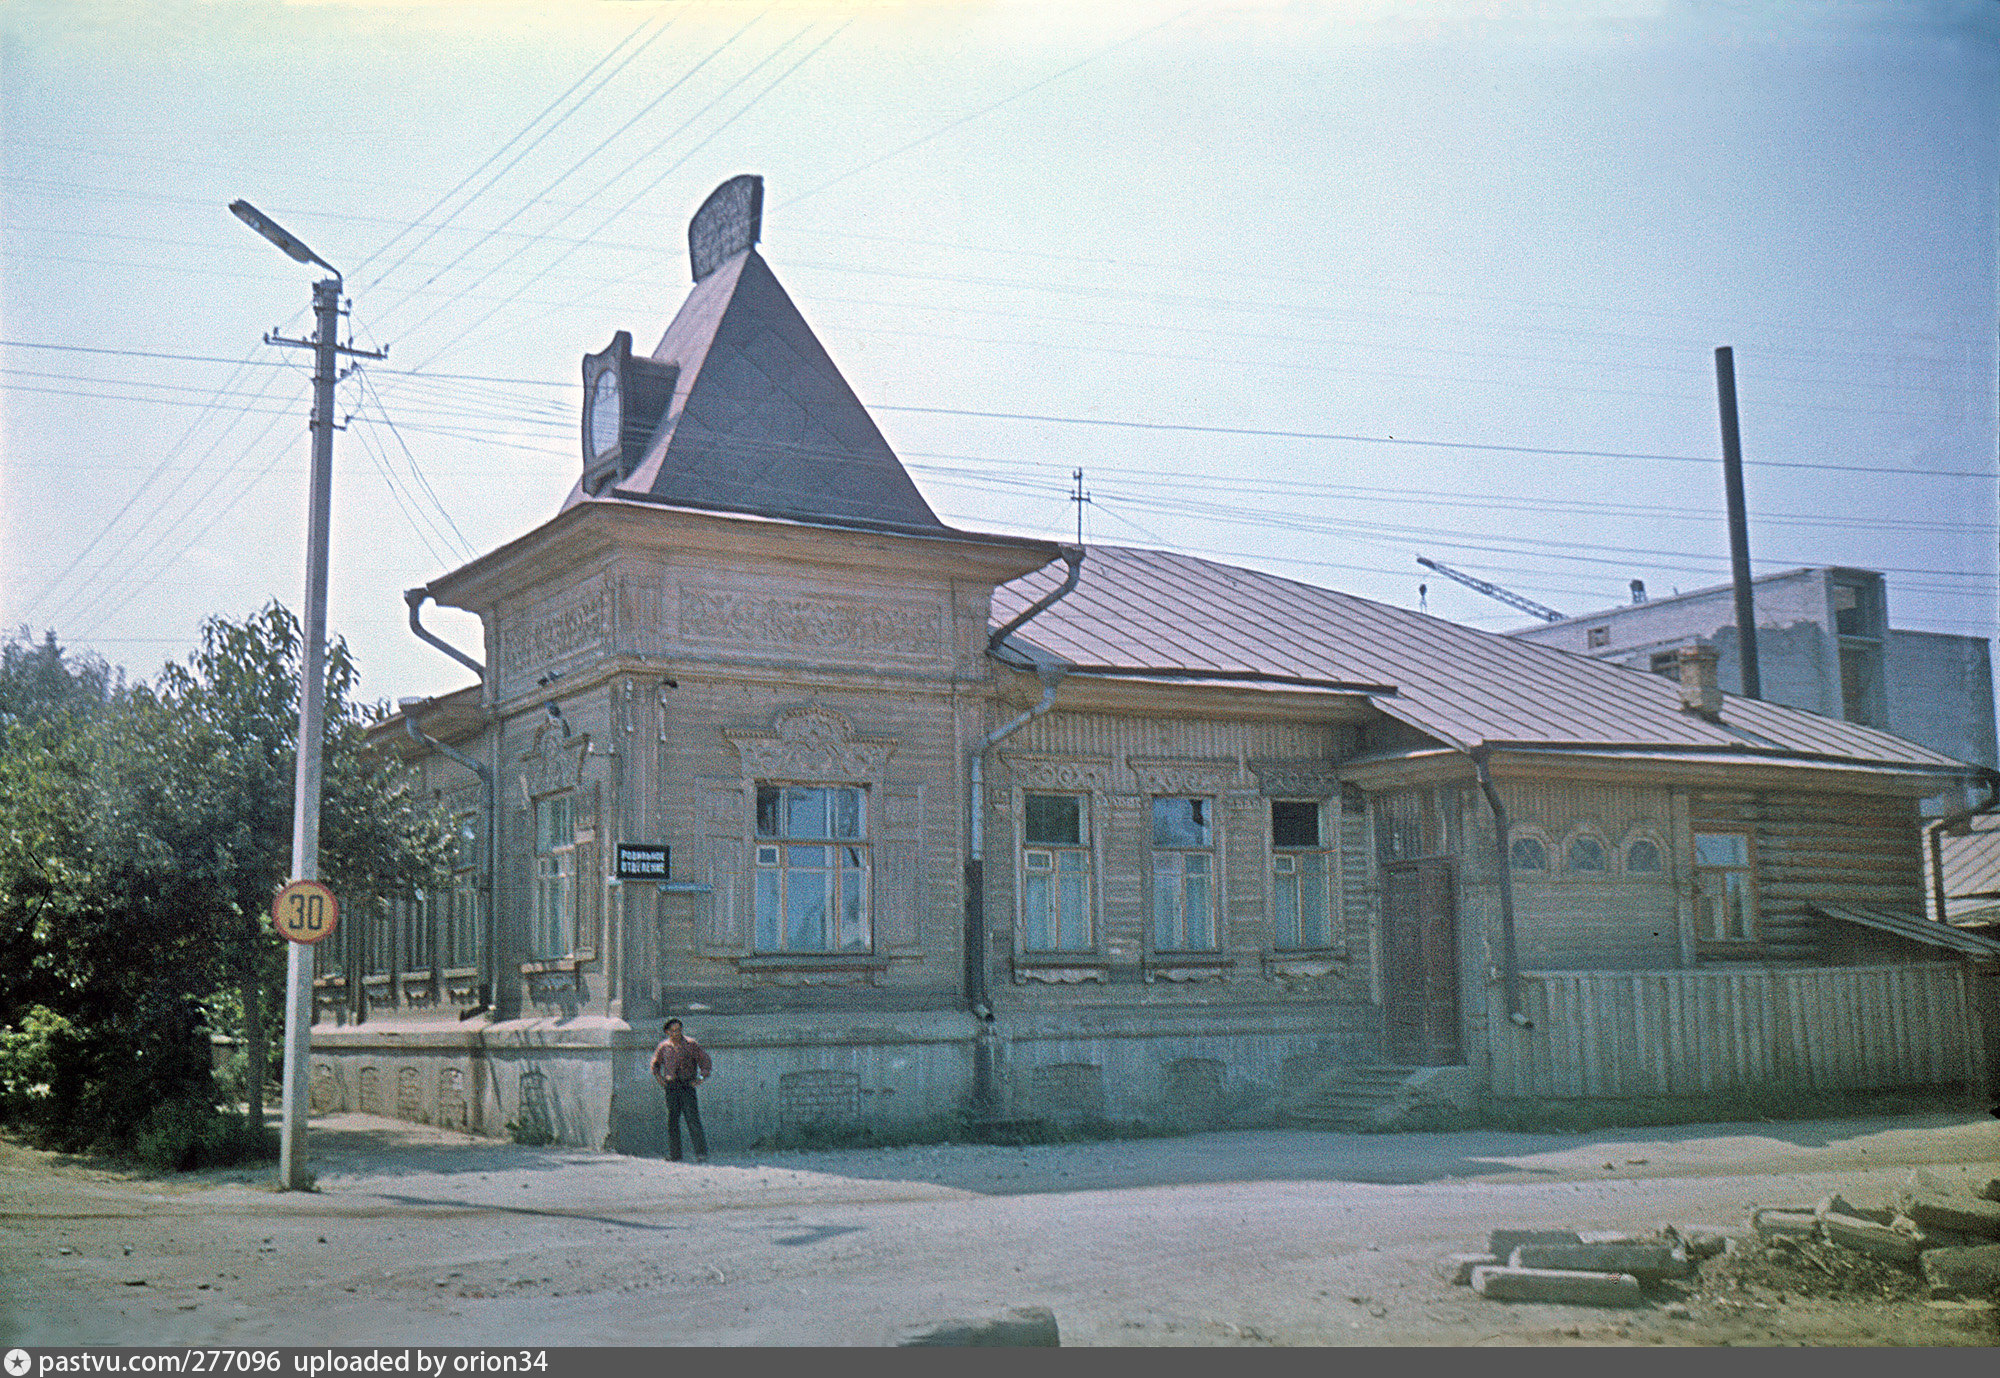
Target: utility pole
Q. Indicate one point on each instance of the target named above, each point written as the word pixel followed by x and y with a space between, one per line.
pixel 1739 525
pixel 307 779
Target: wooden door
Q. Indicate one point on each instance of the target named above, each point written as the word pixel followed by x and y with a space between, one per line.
pixel 1419 965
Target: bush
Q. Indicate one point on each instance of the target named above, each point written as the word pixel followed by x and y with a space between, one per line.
pixel 185 1136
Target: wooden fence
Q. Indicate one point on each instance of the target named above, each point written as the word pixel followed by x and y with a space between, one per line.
pixel 1621 1034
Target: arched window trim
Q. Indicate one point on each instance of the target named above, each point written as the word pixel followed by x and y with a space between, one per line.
pixel 1582 832
pixel 1659 845
pixel 1529 832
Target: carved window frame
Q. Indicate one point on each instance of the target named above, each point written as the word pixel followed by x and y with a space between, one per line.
pixel 1531 832
pixel 815 747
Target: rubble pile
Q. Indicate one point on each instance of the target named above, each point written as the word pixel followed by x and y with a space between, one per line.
pixel 1935 1240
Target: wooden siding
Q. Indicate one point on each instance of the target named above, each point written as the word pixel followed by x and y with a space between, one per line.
pixel 1691 1033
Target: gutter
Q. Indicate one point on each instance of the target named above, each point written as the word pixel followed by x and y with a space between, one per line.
pixel 1510 970
pixel 415 598
pixel 1934 834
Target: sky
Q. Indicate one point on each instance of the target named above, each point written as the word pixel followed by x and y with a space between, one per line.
pixel 1316 288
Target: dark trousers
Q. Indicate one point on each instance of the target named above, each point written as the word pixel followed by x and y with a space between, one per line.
pixel 681 1101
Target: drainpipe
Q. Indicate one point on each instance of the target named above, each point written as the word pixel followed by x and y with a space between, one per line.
pixel 487 983
pixel 415 598
pixel 1510 971
pixel 1934 834
pixel 976 994
pixel 490 986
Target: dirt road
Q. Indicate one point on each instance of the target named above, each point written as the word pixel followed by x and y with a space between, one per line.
pixel 420 1236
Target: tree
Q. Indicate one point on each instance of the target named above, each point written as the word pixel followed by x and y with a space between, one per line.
pixel 151 840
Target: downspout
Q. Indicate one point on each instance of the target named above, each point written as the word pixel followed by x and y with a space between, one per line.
pixel 976 993
pixel 1510 971
pixel 417 734
pixel 415 598
pixel 489 986
pixel 1934 834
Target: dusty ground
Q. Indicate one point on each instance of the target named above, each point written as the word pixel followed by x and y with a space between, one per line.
pixel 419 1236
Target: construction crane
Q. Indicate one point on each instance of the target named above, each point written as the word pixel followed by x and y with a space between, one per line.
pixel 1512 600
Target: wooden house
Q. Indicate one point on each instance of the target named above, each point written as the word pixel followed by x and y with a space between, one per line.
pixel 907 821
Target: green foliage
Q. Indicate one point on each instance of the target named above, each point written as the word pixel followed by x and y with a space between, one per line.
pixel 186 1136
pixel 531 1131
pixel 142 834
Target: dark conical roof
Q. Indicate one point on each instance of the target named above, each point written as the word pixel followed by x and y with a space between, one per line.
pixel 761 420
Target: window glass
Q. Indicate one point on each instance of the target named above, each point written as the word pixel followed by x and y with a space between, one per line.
pixel 1725 888
pixel 811 894
pixel 1180 823
pixel 1643 856
pixel 1585 853
pixel 553 931
pixel 1294 823
pixel 1183 900
pixel 1721 849
pixel 1055 874
pixel 1528 854
pixel 1055 820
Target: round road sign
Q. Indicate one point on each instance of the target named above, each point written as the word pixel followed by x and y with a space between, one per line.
pixel 305 911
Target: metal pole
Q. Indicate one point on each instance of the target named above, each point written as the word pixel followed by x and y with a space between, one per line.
pixel 312 718
pixel 1739 525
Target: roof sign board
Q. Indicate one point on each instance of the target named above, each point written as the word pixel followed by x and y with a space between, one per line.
pixel 729 221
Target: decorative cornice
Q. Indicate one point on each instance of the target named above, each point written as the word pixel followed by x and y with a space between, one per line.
pixel 553 761
pixel 1176 777
pixel 1059 772
pixel 1307 779
pixel 811 743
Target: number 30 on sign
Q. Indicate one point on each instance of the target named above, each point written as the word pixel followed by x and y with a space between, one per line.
pixel 305 911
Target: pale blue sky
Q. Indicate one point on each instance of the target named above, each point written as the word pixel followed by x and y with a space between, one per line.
pixel 1289 240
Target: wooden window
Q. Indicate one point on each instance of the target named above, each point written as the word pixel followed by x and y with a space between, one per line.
pixel 1585 853
pixel 1528 854
pixel 1055 873
pixel 1725 887
pixel 812 869
pixel 1599 636
pixel 1183 876
pixel 459 941
pixel 1302 868
pixel 1642 857
pixel 553 932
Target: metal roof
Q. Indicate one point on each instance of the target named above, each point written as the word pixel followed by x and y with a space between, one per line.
pixel 1910 926
pixel 1141 612
pixel 1971 865
pixel 761 421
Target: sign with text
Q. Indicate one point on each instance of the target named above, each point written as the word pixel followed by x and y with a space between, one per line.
pixel 644 861
pixel 305 911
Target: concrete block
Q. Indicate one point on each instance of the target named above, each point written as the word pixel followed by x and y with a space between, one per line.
pixel 1867 1237
pixel 1647 1262
pixel 1021 1326
pixel 1939 1210
pixel 1963 1274
pixel 1932 1238
pixel 1699 1244
pixel 1837 1204
pixel 1457 1268
pixel 1611 1237
pixel 1771 1223
pixel 1557 1285
pixel 1501 1243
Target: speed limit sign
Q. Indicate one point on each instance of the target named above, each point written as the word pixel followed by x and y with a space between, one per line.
pixel 305 911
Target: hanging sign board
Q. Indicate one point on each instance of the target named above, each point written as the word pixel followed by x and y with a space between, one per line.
pixel 644 861
pixel 305 911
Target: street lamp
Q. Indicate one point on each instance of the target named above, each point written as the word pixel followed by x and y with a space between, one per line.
pixel 312 684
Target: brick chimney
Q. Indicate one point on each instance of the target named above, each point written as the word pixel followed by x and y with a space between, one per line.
pixel 1700 691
